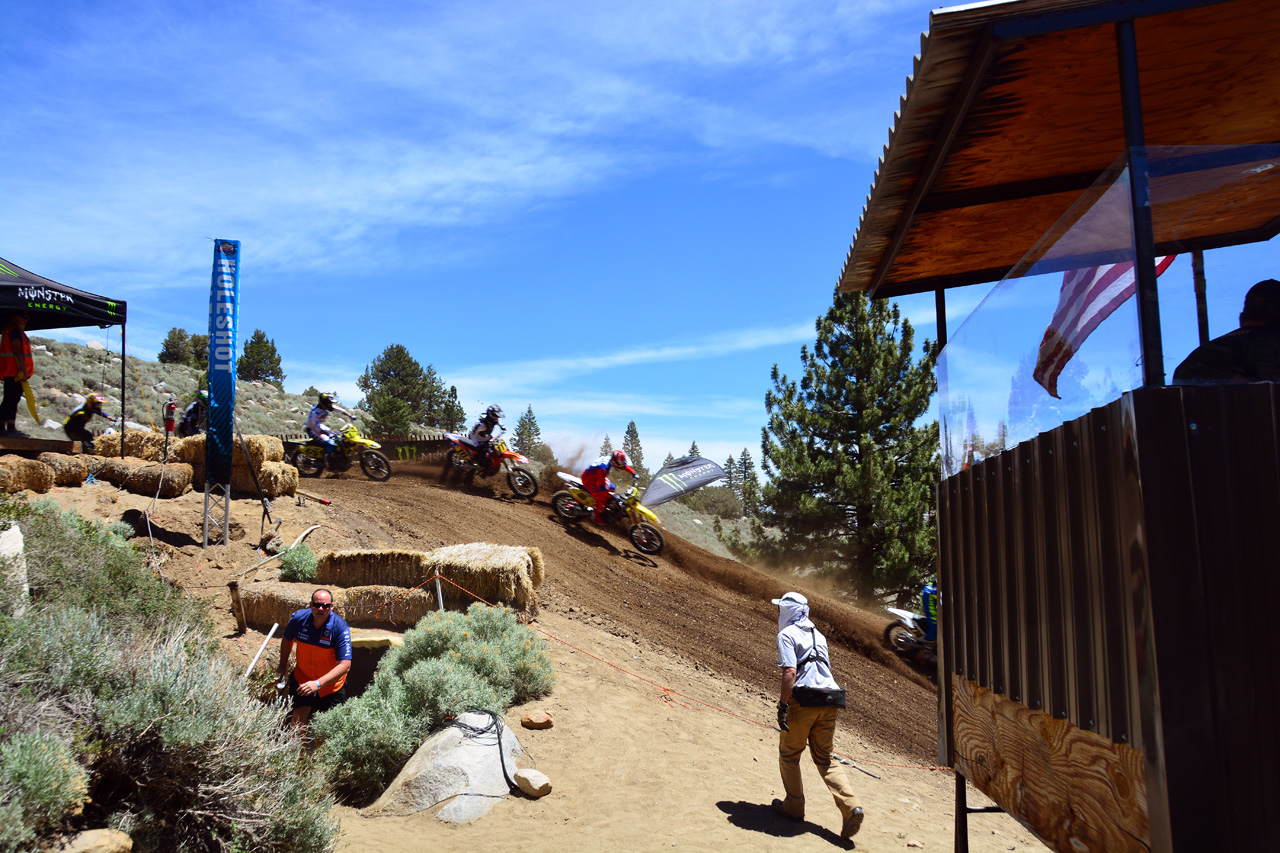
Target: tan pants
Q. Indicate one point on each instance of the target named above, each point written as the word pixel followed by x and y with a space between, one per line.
pixel 816 728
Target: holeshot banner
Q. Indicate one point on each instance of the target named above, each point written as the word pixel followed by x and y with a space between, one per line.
pixel 224 298
pixel 678 477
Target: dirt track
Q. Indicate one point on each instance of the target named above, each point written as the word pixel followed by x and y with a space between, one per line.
pixel 713 611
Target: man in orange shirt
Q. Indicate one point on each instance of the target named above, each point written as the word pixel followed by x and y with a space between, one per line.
pixel 15 368
pixel 323 640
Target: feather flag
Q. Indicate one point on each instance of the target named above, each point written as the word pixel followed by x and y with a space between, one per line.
pixel 1088 297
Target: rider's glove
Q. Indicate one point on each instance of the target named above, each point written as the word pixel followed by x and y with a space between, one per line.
pixel 782 717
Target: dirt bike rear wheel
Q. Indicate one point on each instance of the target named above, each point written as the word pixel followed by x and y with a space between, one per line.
pixel 375 465
pixel 522 482
pixel 565 505
pixel 308 466
pixel 646 538
pixel 898 637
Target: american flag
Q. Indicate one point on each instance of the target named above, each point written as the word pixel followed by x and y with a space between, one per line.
pixel 1088 297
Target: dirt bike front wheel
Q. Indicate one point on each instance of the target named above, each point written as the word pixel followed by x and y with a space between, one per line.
pixel 899 638
pixel 567 507
pixel 375 465
pixel 522 482
pixel 646 538
pixel 308 466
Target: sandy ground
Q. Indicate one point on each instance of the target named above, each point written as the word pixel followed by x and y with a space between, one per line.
pixel 666 680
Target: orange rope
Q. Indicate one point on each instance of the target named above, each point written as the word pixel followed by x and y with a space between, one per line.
pixel 666 693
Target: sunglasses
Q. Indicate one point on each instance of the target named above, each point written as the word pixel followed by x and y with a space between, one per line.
pixel 322 606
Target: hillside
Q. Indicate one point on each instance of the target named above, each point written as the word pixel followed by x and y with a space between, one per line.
pixel 666 678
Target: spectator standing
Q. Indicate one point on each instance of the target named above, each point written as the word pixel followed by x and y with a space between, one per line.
pixel 1251 353
pixel 16 367
pixel 323 640
pixel 807 707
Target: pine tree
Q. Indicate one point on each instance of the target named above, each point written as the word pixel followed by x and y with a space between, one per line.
pixel 606 446
pixel 732 476
pixel 399 374
pixel 199 352
pixel 390 415
pixel 176 348
pixel 631 446
pixel 693 450
pixel 527 436
pixel 667 461
pixel 851 475
pixel 260 362
pixel 748 484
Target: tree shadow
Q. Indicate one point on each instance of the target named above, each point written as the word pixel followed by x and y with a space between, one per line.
pixel 760 817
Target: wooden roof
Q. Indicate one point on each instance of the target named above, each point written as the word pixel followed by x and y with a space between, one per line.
pixel 1014 110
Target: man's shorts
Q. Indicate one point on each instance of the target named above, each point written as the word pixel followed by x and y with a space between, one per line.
pixel 318 704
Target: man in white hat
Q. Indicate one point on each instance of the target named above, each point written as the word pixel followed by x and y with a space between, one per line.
pixel 807 707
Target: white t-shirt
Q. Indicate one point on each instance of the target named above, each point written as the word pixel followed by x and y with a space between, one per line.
pixel 795 643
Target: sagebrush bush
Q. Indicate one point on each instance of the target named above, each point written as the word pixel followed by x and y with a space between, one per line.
pixel 177 754
pixel 41 784
pixel 449 663
pixel 298 564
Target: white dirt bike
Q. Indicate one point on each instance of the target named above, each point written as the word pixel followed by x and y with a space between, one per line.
pixel 906 636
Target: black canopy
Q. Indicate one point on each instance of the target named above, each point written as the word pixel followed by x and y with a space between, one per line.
pixel 53 305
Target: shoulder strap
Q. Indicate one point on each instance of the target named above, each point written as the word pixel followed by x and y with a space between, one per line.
pixel 814 654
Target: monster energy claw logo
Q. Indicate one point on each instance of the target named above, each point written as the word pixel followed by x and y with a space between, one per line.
pixel 673 481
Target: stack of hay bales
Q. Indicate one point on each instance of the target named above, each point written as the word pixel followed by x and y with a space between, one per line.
pixel 507 574
pixel 18 474
pixel 266 454
pixel 149 446
pixel 67 470
pixel 362 607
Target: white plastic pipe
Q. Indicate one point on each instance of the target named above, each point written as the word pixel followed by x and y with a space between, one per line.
pixel 254 662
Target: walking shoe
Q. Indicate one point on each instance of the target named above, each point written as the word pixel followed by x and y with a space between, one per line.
pixel 852 824
pixel 782 810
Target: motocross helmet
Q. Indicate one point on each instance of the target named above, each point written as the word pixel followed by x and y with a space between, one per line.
pixel 327 402
pixel 95 401
pixel 493 414
pixel 620 460
pixel 203 395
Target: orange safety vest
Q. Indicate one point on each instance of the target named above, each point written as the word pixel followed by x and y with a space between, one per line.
pixel 9 359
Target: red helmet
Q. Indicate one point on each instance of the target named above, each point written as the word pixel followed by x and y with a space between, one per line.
pixel 620 460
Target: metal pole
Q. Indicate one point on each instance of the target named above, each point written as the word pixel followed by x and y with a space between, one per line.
pixel 1140 205
pixel 962 817
pixel 1202 307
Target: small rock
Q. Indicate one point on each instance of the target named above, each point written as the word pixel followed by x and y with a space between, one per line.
pixel 97 841
pixel 39 348
pixel 95 345
pixel 50 423
pixel 534 783
pixel 537 720
pixel 115 361
pixel 915 844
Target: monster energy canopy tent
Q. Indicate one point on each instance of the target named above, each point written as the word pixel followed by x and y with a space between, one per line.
pixel 679 477
pixel 1014 109
pixel 53 305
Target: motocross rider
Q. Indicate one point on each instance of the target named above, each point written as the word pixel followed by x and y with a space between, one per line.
pixel 316 427
pixel 76 422
pixel 595 477
pixel 483 433
pixel 929 603
pixel 193 416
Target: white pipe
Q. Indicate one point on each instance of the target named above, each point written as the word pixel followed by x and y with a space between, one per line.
pixel 270 634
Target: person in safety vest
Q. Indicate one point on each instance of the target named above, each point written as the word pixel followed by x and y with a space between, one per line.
pixel 194 415
pixel 76 424
pixel 316 427
pixel 323 640
pixel 486 430
pixel 808 704
pixel 16 366
pixel 595 477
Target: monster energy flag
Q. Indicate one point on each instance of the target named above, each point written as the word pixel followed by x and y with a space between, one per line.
pixel 224 296
pixel 679 477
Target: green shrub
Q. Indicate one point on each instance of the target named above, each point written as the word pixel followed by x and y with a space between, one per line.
pixel 448 664
pixel 178 756
pixel 298 564
pixel 40 782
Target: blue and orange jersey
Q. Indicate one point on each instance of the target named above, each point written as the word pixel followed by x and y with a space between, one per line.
pixel 318 650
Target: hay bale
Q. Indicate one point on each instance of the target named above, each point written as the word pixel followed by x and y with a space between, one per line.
pixel 113 469
pixel 262 448
pixel 67 470
pixel 494 573
pixel 191 450
pixel 364 568
pixel 273 601
pixel 148 446
pixel 18 474
pixel 151 478
pixel 266 452
pixel 383 606
pixel 276 478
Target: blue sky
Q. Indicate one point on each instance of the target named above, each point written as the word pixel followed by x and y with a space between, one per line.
pixel 611 211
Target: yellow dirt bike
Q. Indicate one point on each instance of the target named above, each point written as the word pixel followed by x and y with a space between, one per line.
pixel 311 460
pixel 575 503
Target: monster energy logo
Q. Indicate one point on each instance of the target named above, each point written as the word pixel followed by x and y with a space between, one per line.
pixel 5 269
pixel 111 308
pixel 407 452
pixel 673 481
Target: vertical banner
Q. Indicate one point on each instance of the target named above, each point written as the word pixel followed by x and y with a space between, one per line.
pixel 224 298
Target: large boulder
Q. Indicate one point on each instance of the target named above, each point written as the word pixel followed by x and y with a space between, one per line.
pixel 454 765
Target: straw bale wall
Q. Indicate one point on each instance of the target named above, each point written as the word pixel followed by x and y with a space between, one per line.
pixel 495 573
pixel 144 478
pixel 18 474
pixel 265 451
pixel 142 445
pixel 67 470
pixel 274 602
pixel 276 478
